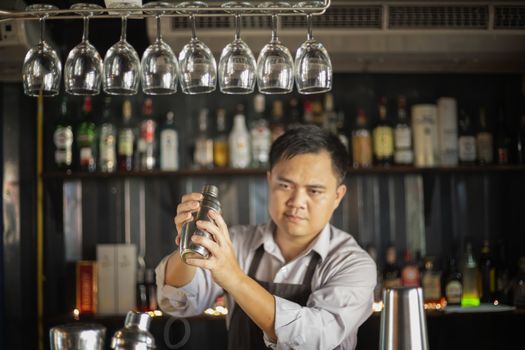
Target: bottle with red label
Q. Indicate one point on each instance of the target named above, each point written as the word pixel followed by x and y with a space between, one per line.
pixel 147 140
pixel 410 276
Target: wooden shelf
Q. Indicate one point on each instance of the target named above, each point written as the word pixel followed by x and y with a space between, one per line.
pixel 475 169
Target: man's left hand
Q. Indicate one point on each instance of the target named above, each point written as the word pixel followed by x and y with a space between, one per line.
pixel 222 262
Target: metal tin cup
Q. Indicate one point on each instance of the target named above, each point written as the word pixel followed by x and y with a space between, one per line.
pixel 77 336
pixel 187 248
pixel 403 322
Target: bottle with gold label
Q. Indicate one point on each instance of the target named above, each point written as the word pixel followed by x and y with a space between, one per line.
pixel 361 142
pixel 383 136
pixel 220 143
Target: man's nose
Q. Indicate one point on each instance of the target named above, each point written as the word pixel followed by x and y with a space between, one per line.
pixel 297 199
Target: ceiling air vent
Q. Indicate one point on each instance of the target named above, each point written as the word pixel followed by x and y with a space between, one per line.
pixel 364 17
pixel 438 17
pixel 509 17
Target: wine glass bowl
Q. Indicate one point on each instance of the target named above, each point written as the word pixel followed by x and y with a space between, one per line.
pixel 83 67
pixel 237 64
pixel 42 69
pixel 160 67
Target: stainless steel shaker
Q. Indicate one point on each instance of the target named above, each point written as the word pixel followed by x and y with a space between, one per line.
pixel 135 334
pixel 403 322
pixel 77 336
pixel 187 248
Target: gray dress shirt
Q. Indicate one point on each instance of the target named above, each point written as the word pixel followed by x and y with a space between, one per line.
pixel 342 288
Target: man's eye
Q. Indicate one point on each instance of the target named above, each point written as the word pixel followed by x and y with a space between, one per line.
pixel 315 192
pixel 283 186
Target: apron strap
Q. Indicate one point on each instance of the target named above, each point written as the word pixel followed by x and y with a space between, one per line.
pixel 256 261
pixel 307 281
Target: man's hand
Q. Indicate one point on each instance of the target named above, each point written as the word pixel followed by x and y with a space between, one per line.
pixel 222 262
pixel 190 203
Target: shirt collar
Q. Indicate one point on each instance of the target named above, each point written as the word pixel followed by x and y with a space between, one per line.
pixel 321 244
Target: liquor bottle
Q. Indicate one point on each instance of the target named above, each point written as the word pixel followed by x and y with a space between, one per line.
pixel 86 139
pixel 470 273
pixel 403 154
pixel 484 140
pixel 424 126
pixel 126 139
pixel 488 274
pixel 221 152
pixel 361 142
pixel 502 141
pixel 502 275
pixel 261 137
pixel 340 130
pixel 518 285
pixel 277 122
pixel 520 142
pixel 63 139
pixel 410 276
pixel 107 140
pixel 169 144
pixel 330 116
pixel 383 137
pixel 467 140
pixel 454 283
pixel 203 155
pixel 239 141
pixel 294 114
pixel 447 125
pixel 147 142
pixel 431 282
pixel 391 272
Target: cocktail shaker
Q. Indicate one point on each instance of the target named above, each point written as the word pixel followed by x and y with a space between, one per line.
pixel 187 248
pixel 135 334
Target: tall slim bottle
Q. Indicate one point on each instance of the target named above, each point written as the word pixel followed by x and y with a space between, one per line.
pixel 383 137
pixel 403 154
pixel 447 131
pixel 86 139
pixel 203 155
pixel 126 139
pixel 169 144
pixel 484 142
pixel 470 273
pixel 488 274
pixel 221 151
pixel 424 126
pixel 261 137
pixel 239 141
pixel 467 140
pixel 147 143
pixel 361 142
pixel 63 138
pixel 107 140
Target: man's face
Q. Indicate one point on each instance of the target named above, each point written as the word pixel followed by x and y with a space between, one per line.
pixel 303 193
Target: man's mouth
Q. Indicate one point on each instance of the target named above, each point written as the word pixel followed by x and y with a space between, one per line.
pixel 293 218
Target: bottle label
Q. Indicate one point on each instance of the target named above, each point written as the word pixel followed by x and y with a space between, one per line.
pixel 86 156
pixel 107 146
pixel 63 137
pixel 383 142
pixel 220 153
pixel 431 287
pixel 467 148
pixel 485 153
pixel 261 143
pixel 453 292
pixel 362 150
pixel 404 156
pixel 410 276
pixel 63 157
pixel 403 138
pixel 240 153
pixel 125 142
pixel 169 145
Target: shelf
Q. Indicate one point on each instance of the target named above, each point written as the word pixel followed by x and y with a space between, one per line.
pixel 376 170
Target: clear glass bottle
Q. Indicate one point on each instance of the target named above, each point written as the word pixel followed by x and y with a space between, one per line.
pixel 107 140
pixel 126 139
pixel 470 274
pixel 169 144
pixel 403 154
pixel 239 141
pixel 203 155
pixel 454 283
pixel 261 137
pixel 221 152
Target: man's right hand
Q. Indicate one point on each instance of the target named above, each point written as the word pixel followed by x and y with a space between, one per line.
pixel 178 273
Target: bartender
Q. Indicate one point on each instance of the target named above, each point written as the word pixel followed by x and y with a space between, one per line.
pixel 296 282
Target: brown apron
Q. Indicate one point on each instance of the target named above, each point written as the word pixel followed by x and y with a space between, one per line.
pixel 244 334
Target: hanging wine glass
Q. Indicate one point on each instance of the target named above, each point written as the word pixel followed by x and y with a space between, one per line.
pixel 121 63
pixel 313 67
pixel 275 63
pixel 160 67
pixel 198 68
pixel 237 62
pixel 83 68
pixel 42 69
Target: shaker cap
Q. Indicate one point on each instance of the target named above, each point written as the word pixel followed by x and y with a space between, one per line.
pixel 135 334
pixel 210 190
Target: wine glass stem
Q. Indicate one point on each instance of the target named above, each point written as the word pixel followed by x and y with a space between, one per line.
pixel 274 28
pixel 309 36
pixel 193 29
pixel 85 33
pixel 158 28
pixel 124 28
pixel 237 27
pixel 42 28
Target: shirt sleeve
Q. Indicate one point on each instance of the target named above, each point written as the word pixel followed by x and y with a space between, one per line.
pixel 189 300
pixel 333 312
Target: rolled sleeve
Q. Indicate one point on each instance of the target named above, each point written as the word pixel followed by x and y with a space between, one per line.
pixel 188 300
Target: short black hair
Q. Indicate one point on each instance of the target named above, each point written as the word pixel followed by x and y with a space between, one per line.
pixel 311 139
